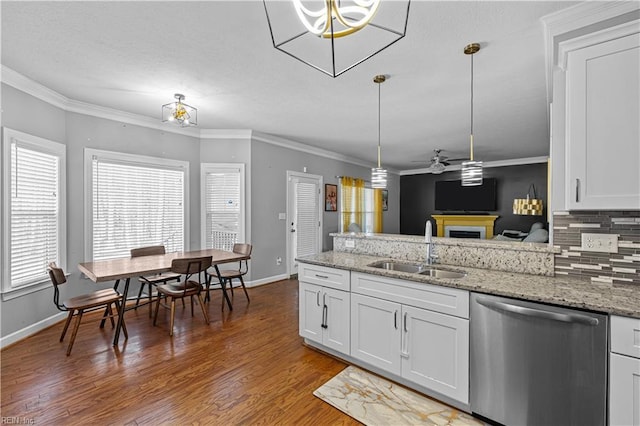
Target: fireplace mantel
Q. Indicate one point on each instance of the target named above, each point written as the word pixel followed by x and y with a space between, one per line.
pixel 443 220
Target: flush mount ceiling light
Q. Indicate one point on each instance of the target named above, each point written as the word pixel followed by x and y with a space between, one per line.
pixel 180 113
pixel 378 174
pixel 334 36
pixel 471 170
pixel 528 206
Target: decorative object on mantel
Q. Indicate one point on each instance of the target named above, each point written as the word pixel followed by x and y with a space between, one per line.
pixel 335 35
pixel 528 206
pixel 180 113
pixel 373 400
pixel 471 170
pixel 378 174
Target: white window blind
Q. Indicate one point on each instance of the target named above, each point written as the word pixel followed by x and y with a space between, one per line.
pixel 34 200
pixel 307 219
pixel 223 209
pixel 136 204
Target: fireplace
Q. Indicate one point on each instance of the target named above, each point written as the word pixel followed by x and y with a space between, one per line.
pixel 465 226
pixel 477 232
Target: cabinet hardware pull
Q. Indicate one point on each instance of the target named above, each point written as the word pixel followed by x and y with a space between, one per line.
pixel 322 276
pixel 405 322
pixel 395 320
pixel 577 190
pixel 317 298
pixel 325 315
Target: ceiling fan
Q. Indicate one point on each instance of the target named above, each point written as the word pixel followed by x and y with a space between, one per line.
pixel 439 162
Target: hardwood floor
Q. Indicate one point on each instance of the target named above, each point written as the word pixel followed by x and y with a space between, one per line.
pixel 248 366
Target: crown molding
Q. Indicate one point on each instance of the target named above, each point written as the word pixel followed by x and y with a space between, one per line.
pixel 485 165
pixel 297 146
pixel 225 133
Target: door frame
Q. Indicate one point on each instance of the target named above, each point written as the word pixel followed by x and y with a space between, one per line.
pixel 289 212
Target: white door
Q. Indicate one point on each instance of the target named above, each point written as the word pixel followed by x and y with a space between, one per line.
pixel 336 319
pixel 375 332
pixel 435 351
pixel 304 217
pixel 624 391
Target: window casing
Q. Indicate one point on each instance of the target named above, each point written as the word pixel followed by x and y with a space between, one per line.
pixel 33 212
pixel 134 201
pixel 223 205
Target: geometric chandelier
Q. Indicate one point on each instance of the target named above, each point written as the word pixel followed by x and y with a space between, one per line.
pixel 334 36
pixel 179 113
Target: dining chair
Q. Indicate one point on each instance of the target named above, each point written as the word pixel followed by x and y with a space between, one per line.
pixel 151 280
pixel 227 276
pixel 77 306
pixel 192 268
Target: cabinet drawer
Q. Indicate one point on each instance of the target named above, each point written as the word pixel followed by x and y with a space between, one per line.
pixel 450 301
pixel 625 336
pixel 322 275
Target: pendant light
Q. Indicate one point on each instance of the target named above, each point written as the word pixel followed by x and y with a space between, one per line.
pixel 378 174
pixel 471 170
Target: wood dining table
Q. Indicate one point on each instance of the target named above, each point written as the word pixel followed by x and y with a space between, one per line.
pixel 125 268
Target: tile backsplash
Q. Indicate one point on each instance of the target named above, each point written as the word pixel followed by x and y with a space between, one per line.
pixel 622 267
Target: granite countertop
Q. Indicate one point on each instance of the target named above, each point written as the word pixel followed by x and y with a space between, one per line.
pixel 617 299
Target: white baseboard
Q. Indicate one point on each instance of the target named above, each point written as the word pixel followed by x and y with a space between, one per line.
pixel 31 329
pixel 268 280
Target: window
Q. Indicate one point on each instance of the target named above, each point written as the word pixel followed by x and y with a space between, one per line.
pixel 134 201
pixel 34 216
pixel 223 205
pixel 360 207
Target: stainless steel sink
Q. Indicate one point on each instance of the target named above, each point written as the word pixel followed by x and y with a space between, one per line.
pixel 398 266
pixel 417 268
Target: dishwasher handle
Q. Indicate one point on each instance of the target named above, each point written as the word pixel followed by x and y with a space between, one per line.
pixel 537 313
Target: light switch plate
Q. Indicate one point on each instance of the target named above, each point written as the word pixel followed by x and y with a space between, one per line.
pixel 603 243
pixel 282 216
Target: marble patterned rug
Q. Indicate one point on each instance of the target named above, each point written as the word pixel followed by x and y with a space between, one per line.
pixel 375 401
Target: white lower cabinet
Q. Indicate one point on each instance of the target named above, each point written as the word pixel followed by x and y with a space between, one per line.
pixel 324 316
pixel 624 372
pixel 425 347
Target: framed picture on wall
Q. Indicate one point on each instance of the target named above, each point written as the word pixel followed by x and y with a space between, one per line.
pixel 330 197
pixel 385 200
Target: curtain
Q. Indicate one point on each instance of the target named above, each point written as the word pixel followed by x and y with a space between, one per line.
pixel 377 210
pixel 360 206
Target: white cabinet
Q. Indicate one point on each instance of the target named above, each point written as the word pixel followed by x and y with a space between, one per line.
pixel 375 332
pixel 602 129
pixel 624 372
pixel 324 310
pixel 391 330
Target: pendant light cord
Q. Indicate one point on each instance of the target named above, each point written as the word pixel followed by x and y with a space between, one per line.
pixel 379 125
pixel 471 136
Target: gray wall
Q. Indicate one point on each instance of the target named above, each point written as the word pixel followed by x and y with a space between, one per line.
pixel 269 167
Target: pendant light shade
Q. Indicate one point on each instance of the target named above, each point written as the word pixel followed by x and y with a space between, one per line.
pixel 378 174
pixel 528 206
pixel 471 170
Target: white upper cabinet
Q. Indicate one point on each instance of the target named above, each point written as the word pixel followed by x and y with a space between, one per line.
pixel 603 125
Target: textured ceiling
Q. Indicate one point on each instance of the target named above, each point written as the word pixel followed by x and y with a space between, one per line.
pixel 133 56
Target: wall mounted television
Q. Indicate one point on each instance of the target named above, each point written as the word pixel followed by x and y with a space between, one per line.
pixel 451 196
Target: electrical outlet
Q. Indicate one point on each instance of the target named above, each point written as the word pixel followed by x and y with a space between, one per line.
pixel 349 244
pixel 278 261
pixel 603 243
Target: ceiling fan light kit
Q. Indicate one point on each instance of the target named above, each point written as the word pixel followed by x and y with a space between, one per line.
pixel 179 113
pixel 471 170
pixel 379 174
pixel 334 36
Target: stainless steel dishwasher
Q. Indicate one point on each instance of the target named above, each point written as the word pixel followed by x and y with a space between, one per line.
pixel 535 364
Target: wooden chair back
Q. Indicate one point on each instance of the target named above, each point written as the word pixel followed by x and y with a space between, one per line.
pixel 190 267
pixel 244 249
pixel 57 278
pixel 147 251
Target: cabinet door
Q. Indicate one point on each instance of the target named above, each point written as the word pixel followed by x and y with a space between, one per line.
pixel 603 130
pixel 435 352
pixel 375 332
pixel 624 391
pixel 336 319
pixel 310 311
